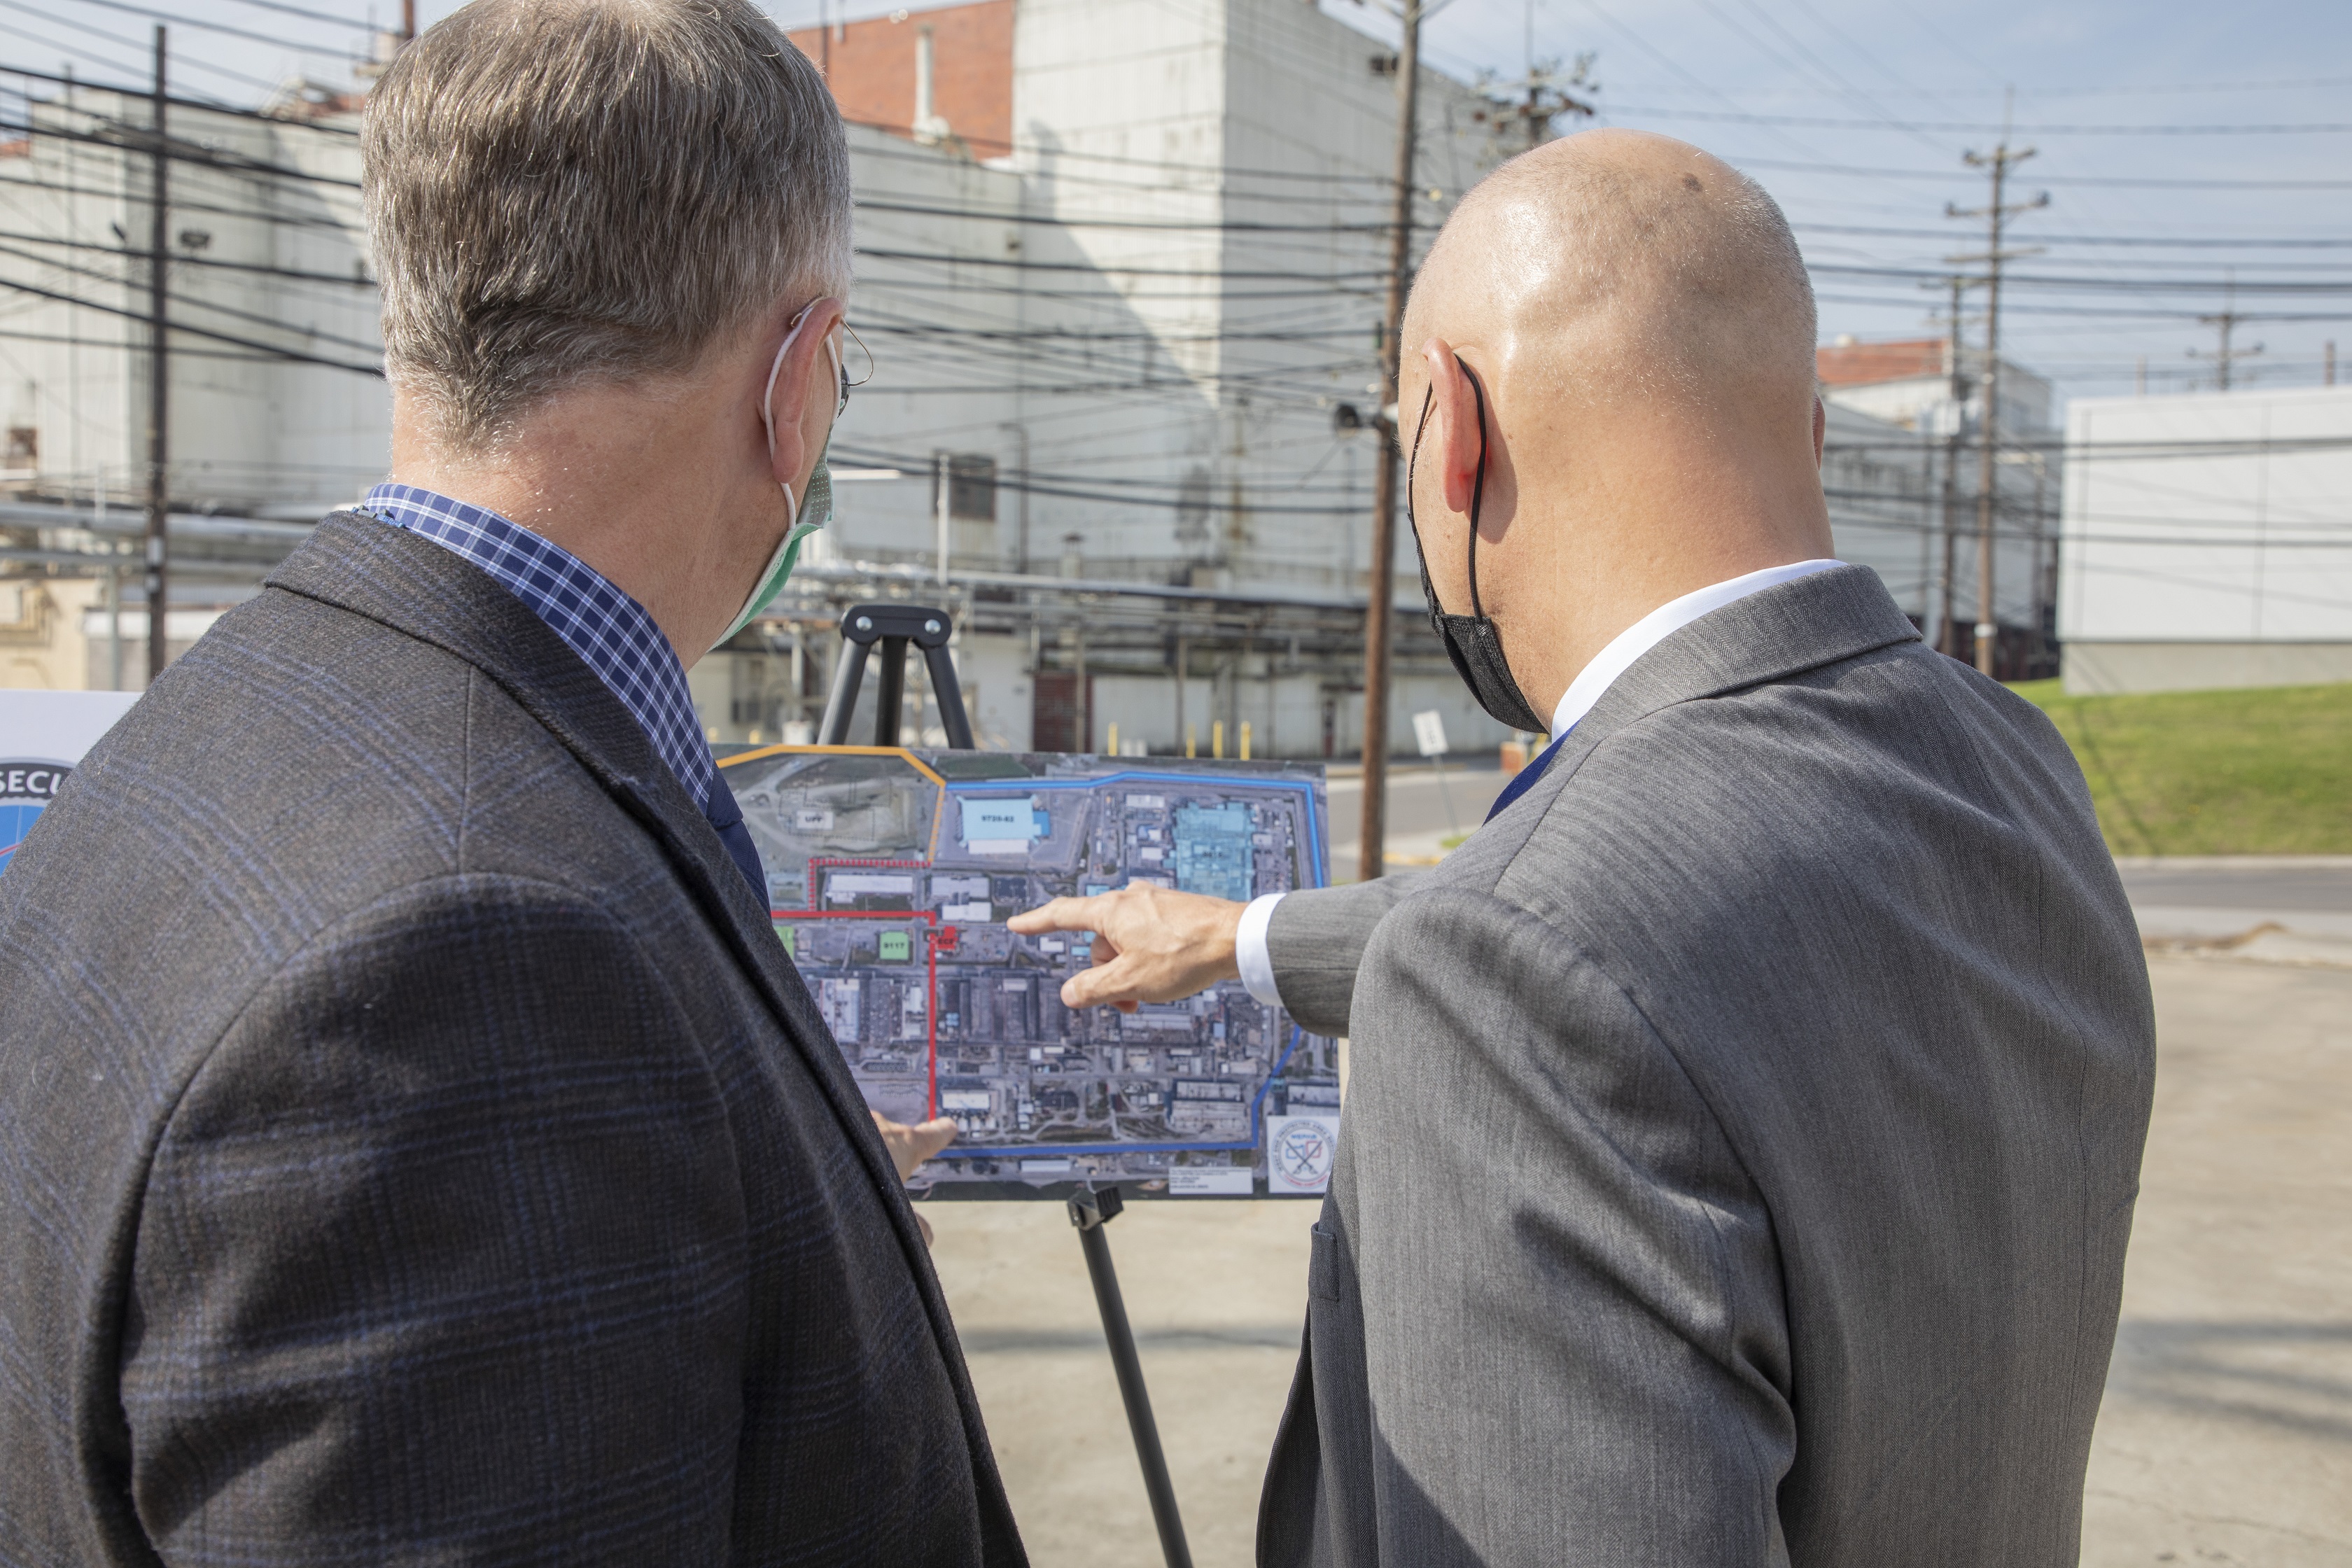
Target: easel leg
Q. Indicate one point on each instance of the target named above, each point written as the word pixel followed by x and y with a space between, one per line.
pixel 1089 1212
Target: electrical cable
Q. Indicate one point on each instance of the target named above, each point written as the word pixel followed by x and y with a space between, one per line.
pixel 376 370
pixel 1972 127
pixel 182 19
pixel 195 303
pixel 310 15
pixel 2120 181
pixel 290 220
pixel 207 105
pixel 252 267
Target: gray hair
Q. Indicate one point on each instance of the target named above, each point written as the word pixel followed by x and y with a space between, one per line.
pixel 567 191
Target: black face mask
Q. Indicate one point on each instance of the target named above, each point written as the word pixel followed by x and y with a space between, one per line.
pixel 1473 641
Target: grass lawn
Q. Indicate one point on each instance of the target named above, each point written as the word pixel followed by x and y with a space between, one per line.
pixel 2214 772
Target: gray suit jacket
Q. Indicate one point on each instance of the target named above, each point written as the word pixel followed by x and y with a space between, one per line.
pixel 1741 1135
pixel 414 1145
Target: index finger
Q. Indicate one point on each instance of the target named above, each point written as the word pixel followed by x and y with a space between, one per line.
pixel 1058 914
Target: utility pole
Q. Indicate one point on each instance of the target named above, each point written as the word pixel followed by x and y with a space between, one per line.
pixel 159 385
pixel 1545 86
pixel 2224 356
pixel 942 476
pixel 1999 162
pixel 1947 636
pixel 1371 854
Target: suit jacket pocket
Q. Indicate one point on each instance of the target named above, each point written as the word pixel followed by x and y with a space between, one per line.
pixel 1323 1265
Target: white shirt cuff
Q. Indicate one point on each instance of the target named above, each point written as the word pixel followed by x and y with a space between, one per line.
pixel 1250 951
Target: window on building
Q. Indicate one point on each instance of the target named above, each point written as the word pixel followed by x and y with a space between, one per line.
pixel 24 448
pixel 972 488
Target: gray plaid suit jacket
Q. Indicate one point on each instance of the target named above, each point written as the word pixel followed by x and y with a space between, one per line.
pixel 1741 1134
pixel 415 1146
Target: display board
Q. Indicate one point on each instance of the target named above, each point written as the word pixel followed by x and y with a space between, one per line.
pixel 42 735
pixel 891 873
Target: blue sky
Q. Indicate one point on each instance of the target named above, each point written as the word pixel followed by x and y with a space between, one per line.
pixel 1854 114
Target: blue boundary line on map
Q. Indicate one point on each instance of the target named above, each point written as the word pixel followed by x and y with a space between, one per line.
pixel 1258 1102
pixel 1048 1151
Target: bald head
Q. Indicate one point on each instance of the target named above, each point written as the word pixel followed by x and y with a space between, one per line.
pixel 1619 264
pixel 1609 360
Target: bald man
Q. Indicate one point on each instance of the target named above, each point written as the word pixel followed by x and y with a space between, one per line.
pixel 1743 1124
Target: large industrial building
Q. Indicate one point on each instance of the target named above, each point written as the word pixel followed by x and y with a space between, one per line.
pixel 1903 475
pixel 2207 540
pixel 1119 270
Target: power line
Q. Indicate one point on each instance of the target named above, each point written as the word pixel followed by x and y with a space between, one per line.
pixel 87 53
pixel 1973 127
pixel 290 220
pixel 2182 242
pixel 139 139
pixel 186 21
pixel 2117 180
pixel 207 106
pixel 252 267
pixel 252 316
pixel 281 5
pixel 271 350
pixel 2102 285
pixel 69 340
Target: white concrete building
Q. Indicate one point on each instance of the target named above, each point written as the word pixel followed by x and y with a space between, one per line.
pixel 1902 472
pixel 1120 269
pixel 2207 540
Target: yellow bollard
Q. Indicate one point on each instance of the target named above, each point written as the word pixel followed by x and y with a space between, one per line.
pixel 1112 749
pixel 1217 740
pixel 1191 741
pixel 1245 739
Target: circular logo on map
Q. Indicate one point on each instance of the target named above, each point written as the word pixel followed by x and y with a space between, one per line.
pixel 1298 1154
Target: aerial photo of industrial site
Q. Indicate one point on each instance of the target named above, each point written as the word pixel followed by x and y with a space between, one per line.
pixel 891 874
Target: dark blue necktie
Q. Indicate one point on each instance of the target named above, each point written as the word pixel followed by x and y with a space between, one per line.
pixel 728 818
pixel 1525 779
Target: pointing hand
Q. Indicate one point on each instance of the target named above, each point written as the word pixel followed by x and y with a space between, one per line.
pixel 1152 945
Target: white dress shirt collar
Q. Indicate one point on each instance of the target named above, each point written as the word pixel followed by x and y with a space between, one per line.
pixel 1660 624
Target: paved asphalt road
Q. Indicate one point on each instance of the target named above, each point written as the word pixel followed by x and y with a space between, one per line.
pixel 2279 886
pixel 1418 821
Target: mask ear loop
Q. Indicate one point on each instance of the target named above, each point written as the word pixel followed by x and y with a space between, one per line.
pixel 767 396
pixel 1478 487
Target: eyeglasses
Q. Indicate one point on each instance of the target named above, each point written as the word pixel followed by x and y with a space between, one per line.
pixel 843 406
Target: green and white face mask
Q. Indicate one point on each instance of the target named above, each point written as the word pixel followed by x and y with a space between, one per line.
pixel 811 512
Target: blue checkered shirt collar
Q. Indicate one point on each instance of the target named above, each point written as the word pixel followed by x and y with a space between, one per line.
pixel 608 629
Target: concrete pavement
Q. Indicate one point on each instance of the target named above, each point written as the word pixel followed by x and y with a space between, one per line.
pixel 2226 1434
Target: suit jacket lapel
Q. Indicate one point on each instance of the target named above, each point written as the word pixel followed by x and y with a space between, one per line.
pixel 415 587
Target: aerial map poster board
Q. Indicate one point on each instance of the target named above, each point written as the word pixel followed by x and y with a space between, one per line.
pixel 42 735
pixel 891 872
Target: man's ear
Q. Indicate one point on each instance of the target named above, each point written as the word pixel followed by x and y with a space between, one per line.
pixel 1820 429
pixel 794 391
pixel 1455 439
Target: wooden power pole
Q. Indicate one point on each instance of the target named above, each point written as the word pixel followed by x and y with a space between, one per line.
pixel 1998 162
pixel 2224 356
pixel 159 385
pixel 1372 853
pixel 1947 638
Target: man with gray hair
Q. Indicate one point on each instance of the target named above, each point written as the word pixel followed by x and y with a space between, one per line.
pixel 416 1144
pixel 1743 1126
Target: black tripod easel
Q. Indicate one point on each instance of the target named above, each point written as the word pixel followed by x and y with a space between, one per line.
pixel 896 627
